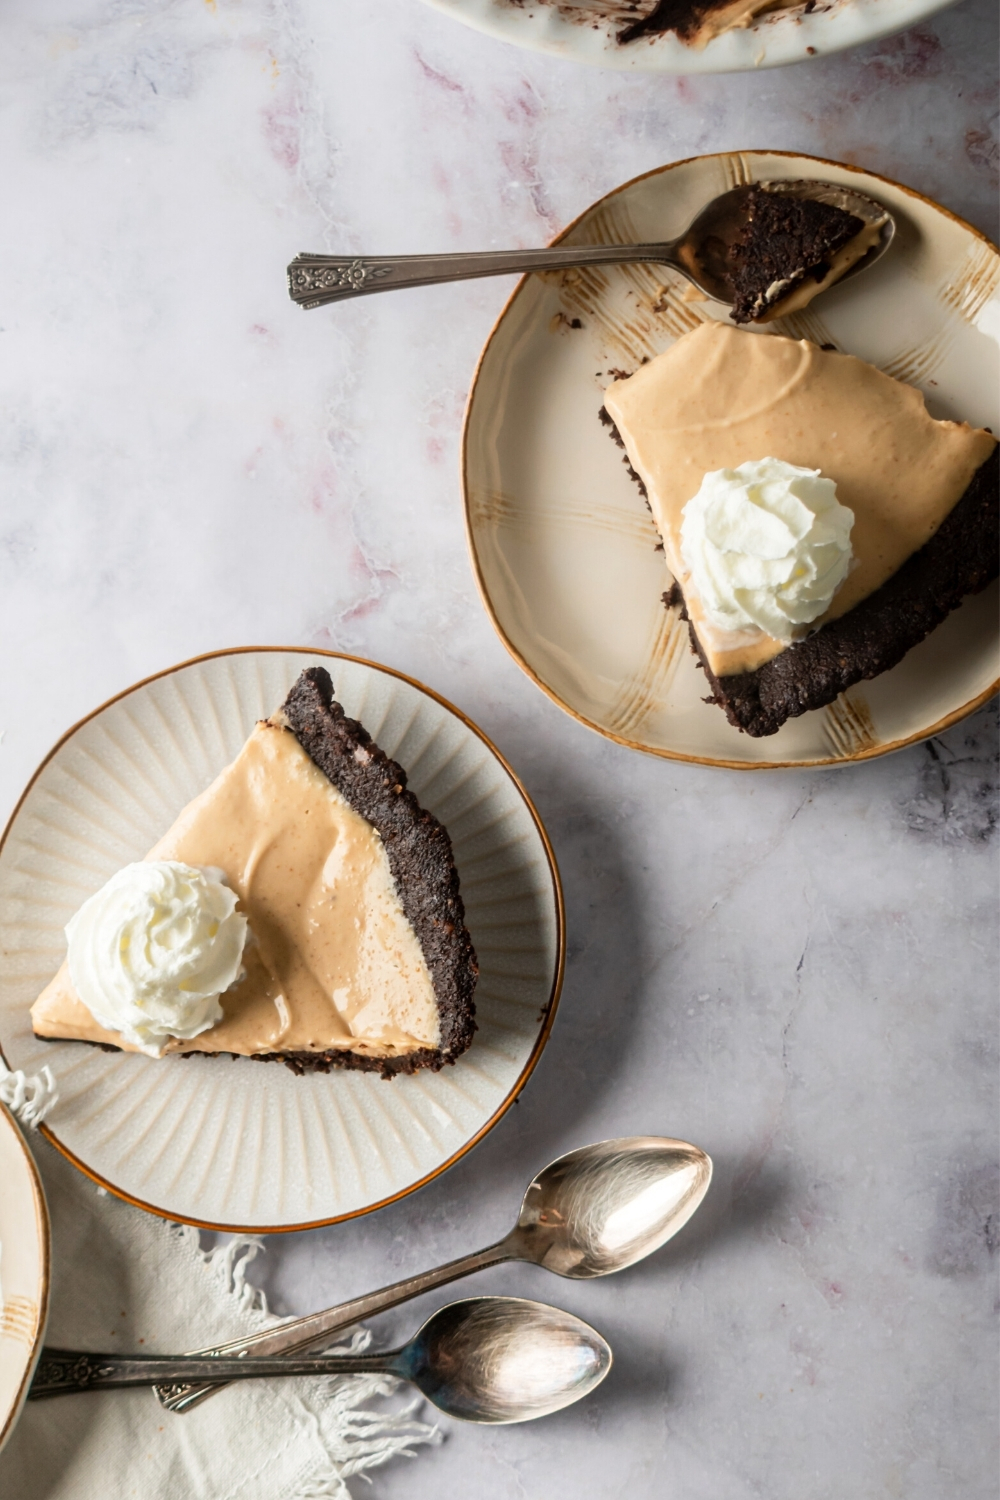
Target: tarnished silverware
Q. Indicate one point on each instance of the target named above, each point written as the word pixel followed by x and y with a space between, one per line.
pixel 590 1213
pixel 487 1359
pixel 699 253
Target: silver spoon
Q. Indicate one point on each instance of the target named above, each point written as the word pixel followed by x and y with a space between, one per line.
pixel 487 1359
pixel 589 1213
pixel 699 254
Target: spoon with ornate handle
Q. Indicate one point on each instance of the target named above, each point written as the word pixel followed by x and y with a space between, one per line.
pixel 700 254
pixel 590 1213
pixel 487 1359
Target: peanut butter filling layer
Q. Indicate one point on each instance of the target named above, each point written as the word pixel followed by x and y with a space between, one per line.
pixel 721 396
pixel 332 961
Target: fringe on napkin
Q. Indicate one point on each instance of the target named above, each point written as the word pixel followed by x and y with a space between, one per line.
pixel 351 1439
pixel 28 1099
pixel 354 1439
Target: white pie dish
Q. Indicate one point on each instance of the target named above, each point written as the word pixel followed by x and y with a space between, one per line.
pixel 584 31
pixel 241 1144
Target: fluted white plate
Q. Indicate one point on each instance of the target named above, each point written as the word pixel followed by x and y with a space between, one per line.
pixel 228 1143
pixel 562 542
pixel 585 31
pixel 24 1271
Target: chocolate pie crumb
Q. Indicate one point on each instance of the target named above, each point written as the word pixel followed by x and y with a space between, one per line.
pixel 785 241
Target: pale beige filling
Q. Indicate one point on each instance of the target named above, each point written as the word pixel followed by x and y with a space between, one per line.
pixel 847 256
pixel 721 396
pixel 333 961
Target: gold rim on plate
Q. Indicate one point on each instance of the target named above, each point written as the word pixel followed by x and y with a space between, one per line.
pixel 720 761
pixel 43 1235
pixel 550 1006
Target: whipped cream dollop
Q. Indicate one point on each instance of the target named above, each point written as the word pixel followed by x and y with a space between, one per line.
pixel 152 951
pixel 768 545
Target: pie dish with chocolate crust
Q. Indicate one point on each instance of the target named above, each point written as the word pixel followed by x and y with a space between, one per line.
pixel 687 36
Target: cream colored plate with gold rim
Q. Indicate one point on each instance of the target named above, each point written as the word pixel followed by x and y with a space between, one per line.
pixel 562 542
pixel 24 1271
pixel 239 1143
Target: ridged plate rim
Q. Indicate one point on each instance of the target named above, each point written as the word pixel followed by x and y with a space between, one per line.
pixel 721 762
pixel 551 1005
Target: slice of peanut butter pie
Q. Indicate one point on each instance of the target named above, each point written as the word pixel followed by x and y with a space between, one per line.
pixel 818 522
pixel 304 909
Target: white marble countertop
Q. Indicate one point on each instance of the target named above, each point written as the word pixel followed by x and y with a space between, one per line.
pixel 796 971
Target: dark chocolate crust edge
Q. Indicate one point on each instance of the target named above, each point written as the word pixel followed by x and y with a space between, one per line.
pixel 961 558
pixel 420 858
pixel 325 1062
pixel 304 1062
pixel 609 422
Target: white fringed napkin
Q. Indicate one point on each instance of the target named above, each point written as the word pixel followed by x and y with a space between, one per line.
pixel 124 1280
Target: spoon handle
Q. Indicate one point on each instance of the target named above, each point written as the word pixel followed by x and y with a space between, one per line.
pixel 318 1328
pixel 61 1372
pixel 316 279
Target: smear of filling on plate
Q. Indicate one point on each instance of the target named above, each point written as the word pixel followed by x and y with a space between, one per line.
pixel 694 22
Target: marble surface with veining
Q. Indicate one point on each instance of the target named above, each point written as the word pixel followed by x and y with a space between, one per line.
pixel 796 970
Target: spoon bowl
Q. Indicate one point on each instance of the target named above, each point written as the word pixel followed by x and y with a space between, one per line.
pixel 603 1207
pixel 702 252
pixel 504 1359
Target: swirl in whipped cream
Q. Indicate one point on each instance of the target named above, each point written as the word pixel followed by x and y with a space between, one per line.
pixel 152 951
pixel 768 545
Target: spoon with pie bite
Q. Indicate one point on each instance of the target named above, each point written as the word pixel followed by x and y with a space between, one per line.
pixel 589 1213
pixel 701 253
pixel 487 1359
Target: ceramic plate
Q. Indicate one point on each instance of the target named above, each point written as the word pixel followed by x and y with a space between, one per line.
pixel 227 1143
pixel 562 542
pixel 24 1271
pixel 586 31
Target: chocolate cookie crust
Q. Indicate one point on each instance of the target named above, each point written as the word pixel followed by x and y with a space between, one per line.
pixel 422 865
pixel 961 558
pixel 786 241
